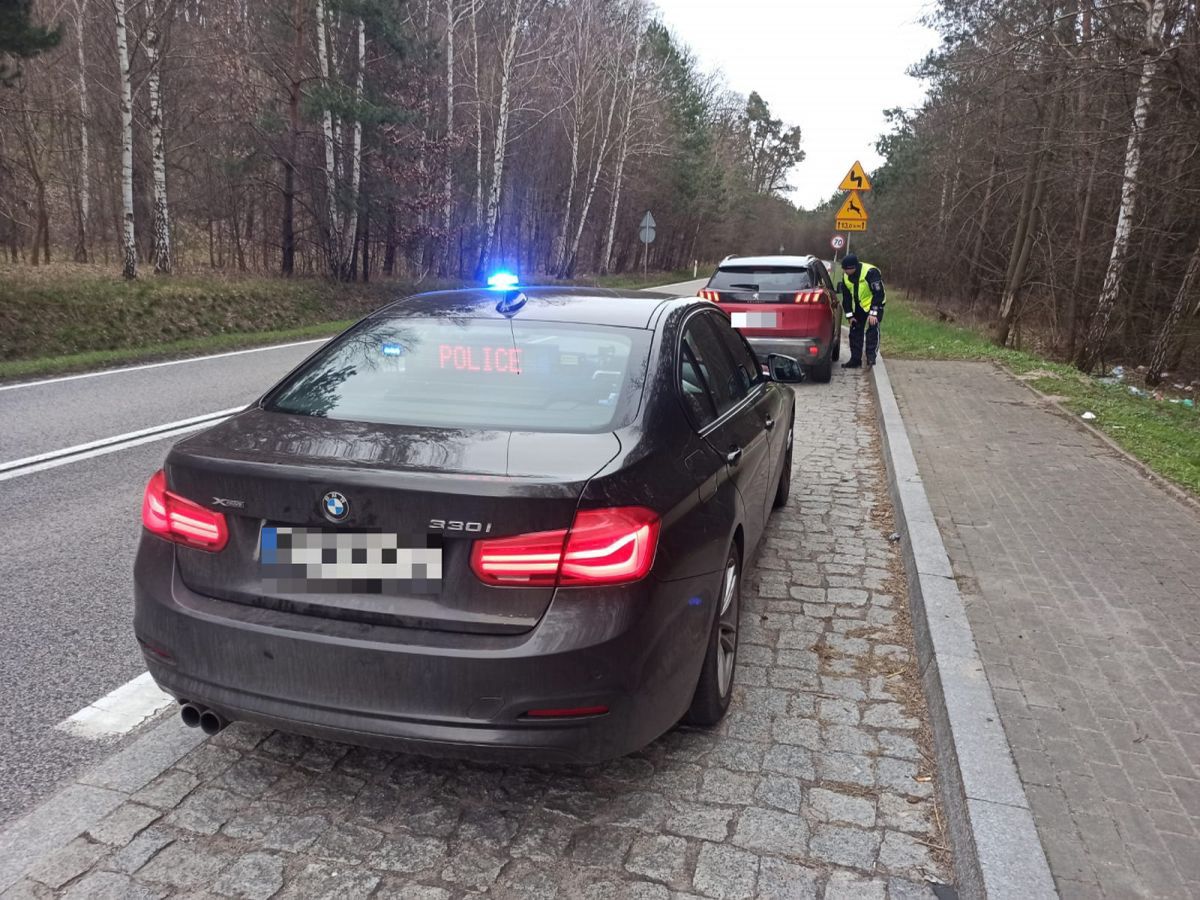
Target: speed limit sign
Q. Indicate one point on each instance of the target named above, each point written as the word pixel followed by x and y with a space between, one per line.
pixel 838 242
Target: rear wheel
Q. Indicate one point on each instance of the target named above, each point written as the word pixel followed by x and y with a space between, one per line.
pixel 836 353
pixel 822 372
pixel 715 688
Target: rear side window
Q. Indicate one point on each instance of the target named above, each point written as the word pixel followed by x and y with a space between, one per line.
pixel 725 385
pixel 474 373
pixel 746 363
pixel 765 279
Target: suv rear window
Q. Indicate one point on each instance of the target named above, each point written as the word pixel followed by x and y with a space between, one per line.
pixel 766 279
pixel 474 373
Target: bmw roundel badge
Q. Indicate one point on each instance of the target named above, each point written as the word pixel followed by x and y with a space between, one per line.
pixel 335 506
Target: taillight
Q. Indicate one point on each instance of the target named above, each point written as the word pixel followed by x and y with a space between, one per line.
pixel 808 297
pixel 180 520
pixel 602 546
pixel 712 296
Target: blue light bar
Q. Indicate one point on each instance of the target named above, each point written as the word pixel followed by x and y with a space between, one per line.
pixel 503 280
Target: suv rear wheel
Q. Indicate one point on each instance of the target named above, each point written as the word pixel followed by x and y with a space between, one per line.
pixel 822 372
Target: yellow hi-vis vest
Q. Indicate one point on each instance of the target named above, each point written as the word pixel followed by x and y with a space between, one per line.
pixel 860 291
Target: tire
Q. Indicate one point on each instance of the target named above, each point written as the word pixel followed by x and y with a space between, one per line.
pixel 784 489
pixel 715 688
pixel 822 372
pixel 836 354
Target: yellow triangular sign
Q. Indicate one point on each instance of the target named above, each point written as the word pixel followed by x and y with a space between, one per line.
pixel 856 179
pixel 852 209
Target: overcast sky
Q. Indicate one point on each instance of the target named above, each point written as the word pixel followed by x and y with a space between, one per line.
pixel 829 66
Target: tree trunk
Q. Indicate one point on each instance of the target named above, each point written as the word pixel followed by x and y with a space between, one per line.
pixel 448 162
pixel 334 243
pixel 507 63
pixel 1093 346
pixel 389 246
pixel 85 195
pixel 162 218
pixel 288 230
pixel 128 241
pixel 1085 212
pixel 345 265
pixel 478 124
pixel 1166 334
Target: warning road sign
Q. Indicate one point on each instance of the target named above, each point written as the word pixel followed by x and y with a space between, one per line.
pixel 856 179
pixel 852 210
pixel 850 224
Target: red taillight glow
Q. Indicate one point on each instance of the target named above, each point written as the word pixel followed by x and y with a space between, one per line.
pixel 178 519
pixel 814 350
pixel 808 297
pixel 711 296
pixel 603 546
pixel 573 712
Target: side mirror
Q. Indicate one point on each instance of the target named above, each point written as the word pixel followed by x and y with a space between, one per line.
pixel 784 368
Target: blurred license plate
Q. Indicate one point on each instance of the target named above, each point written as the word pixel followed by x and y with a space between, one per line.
pixel 313 560
pixel 753 319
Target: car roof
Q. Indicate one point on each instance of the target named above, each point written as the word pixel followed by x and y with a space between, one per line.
pixel 600 306
pixel 799 262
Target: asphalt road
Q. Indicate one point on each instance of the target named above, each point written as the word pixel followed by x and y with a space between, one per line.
pixel 69 534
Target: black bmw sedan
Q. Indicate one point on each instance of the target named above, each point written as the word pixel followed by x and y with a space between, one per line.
pixel 478 522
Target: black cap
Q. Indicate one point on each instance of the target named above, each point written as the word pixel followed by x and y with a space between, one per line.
pixel 849 261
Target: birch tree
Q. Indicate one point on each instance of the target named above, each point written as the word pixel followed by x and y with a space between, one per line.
pixel 1089 353
pixel 333 216
pixel 128 242
pixel 158 150
pixel 84 176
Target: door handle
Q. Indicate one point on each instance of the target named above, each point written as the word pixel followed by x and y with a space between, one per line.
pixel 734 456
pixel 769 424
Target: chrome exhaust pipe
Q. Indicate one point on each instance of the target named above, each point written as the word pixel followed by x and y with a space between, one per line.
pixel 190 714
pixel 211 722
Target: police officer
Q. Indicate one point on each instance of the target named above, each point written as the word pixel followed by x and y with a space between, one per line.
pixel 862 301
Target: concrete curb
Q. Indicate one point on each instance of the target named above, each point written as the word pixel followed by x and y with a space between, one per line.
pixel 997 852
pixel 83 803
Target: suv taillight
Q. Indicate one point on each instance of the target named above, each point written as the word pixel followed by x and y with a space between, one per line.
pixel 712 296
pixel 180 520
pixel 809 297
pixel 602 547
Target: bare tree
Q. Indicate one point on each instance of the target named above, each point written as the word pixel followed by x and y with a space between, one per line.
pixel 128 242
pixel 158 147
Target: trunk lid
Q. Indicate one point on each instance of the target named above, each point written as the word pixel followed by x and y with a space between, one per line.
pixel 433 487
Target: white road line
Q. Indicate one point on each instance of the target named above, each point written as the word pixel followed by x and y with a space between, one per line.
pixel 118 712
pixel 43 461
pixel 157 365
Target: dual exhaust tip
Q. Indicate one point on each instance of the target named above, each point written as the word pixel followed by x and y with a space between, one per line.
pixel 193 715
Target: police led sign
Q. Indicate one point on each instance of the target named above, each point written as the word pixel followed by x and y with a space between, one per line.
pixel 465 358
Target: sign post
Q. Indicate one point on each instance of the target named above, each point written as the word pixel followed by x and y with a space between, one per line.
pixel 646 233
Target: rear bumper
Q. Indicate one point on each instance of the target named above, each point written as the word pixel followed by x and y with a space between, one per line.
pixel 805 350
pixel 636 650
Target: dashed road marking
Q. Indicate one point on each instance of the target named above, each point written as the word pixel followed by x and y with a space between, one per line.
pixel 119 711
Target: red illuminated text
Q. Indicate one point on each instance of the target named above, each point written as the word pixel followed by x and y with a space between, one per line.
pixel 480 359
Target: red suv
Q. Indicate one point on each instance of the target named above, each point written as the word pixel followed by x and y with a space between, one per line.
pixel 782 304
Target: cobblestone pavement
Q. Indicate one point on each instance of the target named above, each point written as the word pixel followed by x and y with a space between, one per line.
pixel 816 785
pixel 1082 583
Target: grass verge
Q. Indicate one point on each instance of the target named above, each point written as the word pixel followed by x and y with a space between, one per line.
pixel 214 343
pixel 1163 435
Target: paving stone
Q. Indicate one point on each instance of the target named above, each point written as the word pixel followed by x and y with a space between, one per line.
pixel 698 820
pixel 119 826
pixel 296 834
pixel 850 886
pixel 906 813
pixel 474 867
pixel 772 831
pixel 604 845
pixel 838 712
pixel 659 858
pixel 780 879
pixel 903 854
pixel 831 806
pixel 138 851
pixel 251 776
pixel 407 853
pixel 847 596
pixel 846 768
pixel 845 846
pixel 100 885
pixel 167 790
pixel 67 863
pixel 780 792
pixel 888 715
pixel 255 876
pixel 726 873
pixel 206 810
pixel 184 865
pixel 346 843
pixel 720 786
pixel 328 881
pixel 25 889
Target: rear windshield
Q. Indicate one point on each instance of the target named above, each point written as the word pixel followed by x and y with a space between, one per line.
pixel 474 373
pixel 760 278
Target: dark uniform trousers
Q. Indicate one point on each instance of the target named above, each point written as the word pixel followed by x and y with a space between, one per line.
pixel 858 325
